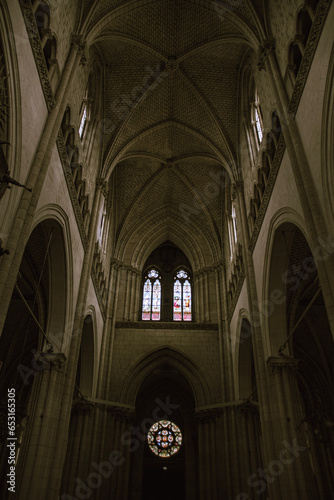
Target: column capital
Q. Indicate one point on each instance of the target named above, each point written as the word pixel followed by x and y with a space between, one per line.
pixel 83 406
pixel 102 184
pixel 278 363
pixel 51 360
pixel 78 42
pixel 248 407
pixel 265 49
pixel 237 188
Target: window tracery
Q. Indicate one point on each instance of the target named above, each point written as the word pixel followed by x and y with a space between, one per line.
pixel 151 309
pixel 164 438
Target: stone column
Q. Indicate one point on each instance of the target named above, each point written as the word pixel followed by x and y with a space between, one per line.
pixel 257 340
pixel 289 472
pixel 66 398
pixel 250 451
pixel 207 455
pixel 35 466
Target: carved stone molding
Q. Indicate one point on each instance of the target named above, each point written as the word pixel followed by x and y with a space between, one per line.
pixel 248 407
pixel 217 266
pixel 264 50
pixel 83 406
pixel 172 64
pixel 117 264
pixel 267 192
pixel 236 295
pixel 157 325
pixel 35 42
pixel 312 43
pixel 237 281
pixel 71 189
pixel 237 188
pixel 278 363
pixel 98 293
pixel 79 43
pixel 102 184
pixel 121 413
pixel 53 361
pixel 208 415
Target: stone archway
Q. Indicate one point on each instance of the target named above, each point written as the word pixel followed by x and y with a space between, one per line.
pixel 302 357
pixel 165 395
pixel 33 335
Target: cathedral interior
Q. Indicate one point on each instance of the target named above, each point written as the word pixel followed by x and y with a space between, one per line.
pixel 167 249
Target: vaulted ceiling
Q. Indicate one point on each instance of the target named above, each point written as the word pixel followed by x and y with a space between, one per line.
pixel 172 71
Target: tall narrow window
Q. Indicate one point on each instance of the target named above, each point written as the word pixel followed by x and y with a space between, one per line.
pixel 234 223
pixel 83 121
pixel 151 309
pixel 182 297
pixel 258 123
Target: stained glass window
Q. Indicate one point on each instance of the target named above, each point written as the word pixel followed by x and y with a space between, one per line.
pixel 186 301
pixel 177 301
pixel 164 438
pixel 182 297
pixel 151 309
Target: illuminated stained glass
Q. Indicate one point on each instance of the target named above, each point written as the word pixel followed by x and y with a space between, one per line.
pixel 83 122
pixel 177 303
pixel 156 300
pixel 164 438
pixel 151 309
pixel 181 274
pixel 186 301
pixel 258 125
pixel 147 299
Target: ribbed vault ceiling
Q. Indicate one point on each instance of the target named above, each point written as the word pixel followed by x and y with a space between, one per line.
pixel 171 102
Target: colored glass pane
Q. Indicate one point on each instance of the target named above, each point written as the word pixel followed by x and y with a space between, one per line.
pixel 164 438
pixel 153 274
pixel 186 301
pixel 147 298
pixel 156 301
pixel 177 301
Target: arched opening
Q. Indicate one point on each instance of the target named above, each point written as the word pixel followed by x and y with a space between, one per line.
pixel 299 327
pixel 167 292
pixel 34 327
pixel 165 396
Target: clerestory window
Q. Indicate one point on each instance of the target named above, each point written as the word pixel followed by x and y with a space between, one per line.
pixel 152 296
pixel 182 296
pixel 173 290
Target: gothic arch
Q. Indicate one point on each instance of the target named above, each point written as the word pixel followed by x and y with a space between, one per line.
pixel 177 361
pixel 327 154
pixel 63 254
pixel 36 321
pixel 272 313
